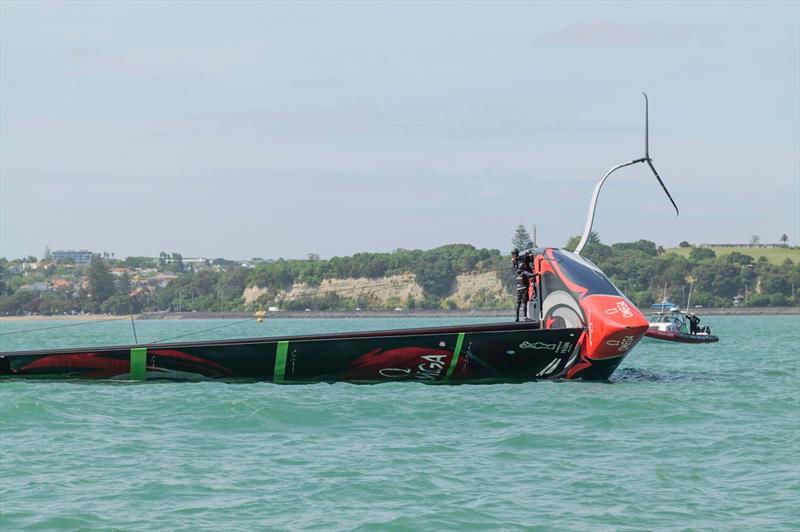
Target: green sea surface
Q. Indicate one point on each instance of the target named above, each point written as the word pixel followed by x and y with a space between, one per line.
pixel 684 437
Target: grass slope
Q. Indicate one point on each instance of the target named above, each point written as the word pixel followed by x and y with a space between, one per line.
pixel 773 255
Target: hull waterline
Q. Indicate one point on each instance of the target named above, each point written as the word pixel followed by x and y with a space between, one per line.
pixel 685 338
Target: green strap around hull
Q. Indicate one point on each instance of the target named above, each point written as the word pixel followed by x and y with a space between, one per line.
pixel 138 363
pixel 454 360
pixel 280 361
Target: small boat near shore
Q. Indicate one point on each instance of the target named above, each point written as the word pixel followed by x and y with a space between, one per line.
pixel 674 326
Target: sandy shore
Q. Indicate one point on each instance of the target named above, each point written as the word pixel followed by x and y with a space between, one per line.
pixel 76 317
pixel 730 311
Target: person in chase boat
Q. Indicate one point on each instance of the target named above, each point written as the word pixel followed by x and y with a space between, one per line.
pixel 523 276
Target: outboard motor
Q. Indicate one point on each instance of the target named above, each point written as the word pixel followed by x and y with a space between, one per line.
pixel 572 292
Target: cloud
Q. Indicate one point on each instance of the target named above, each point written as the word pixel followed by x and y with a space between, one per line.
pixel 192 63
pixel 599 32
pixel 375 124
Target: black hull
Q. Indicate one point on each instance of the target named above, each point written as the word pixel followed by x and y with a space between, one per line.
pixel 461 354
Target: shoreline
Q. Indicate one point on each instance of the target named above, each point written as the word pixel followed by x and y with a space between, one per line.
pixel 501 313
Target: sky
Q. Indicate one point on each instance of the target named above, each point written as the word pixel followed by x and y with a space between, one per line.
pixel 268 129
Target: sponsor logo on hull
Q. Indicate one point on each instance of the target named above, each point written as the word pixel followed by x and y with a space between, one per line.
pixel 559 347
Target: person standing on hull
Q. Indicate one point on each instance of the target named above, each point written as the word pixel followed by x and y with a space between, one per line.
pixel 523 276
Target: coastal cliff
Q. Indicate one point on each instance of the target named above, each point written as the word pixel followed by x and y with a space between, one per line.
pixel 469 291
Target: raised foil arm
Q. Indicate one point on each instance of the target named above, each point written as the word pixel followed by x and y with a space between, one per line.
pixel 587 230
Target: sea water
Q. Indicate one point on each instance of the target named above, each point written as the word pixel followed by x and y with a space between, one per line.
pixel 689 437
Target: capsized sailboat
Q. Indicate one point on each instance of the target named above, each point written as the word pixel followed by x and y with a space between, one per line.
pixel 584 328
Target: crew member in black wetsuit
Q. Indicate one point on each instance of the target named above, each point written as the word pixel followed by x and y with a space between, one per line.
pixel 693 321
pixel 523 277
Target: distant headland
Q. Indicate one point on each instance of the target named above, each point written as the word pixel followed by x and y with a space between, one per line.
pixel 456 277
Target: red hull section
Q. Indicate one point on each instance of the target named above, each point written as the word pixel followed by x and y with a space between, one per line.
pixel 573 292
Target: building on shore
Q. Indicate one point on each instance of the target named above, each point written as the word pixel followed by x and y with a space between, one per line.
pixel 80 258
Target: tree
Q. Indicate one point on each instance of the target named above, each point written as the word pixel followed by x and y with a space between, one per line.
pixel 123 285
pixel 223 263
pixel 18 303
pixel 163 260
pixel 3 267
pixel 784 239
pixel 177 262
pixel 139 262
pixel 101 282
pixel 777 300
pixel 754 240
pixel 684 244
pixel 698 254
pixel 435 274
pixel 572 243
pixel 521 239
pixel 643 246
pixel 117 305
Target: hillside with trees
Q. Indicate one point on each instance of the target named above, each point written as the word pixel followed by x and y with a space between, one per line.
pixel 642 270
